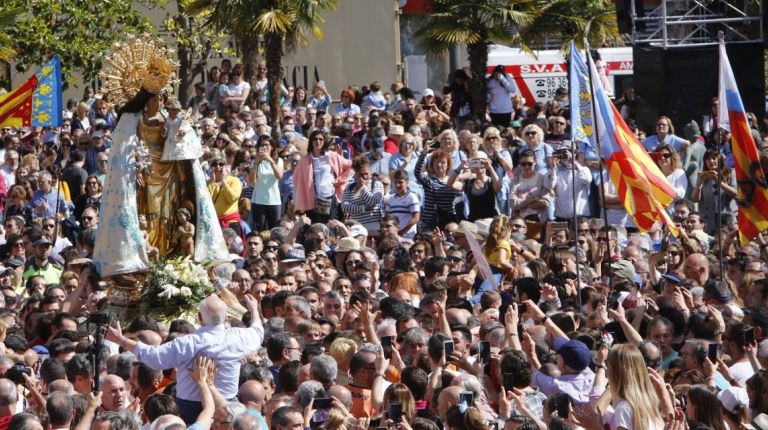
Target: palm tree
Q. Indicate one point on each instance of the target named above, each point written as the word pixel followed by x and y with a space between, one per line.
pixel 476 23
pixel 574 20
pixel 283 24
pixel 8 18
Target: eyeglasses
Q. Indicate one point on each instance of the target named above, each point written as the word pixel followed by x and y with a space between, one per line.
pixel 270 248
pixel 102 161
pixel 666 154
pixel 530 133
pixel 19 244
pixel 581 241
pixel 49 225
pixel 674 253
pixel 87 218
pixel 354 262
pixel 526 164
pixel 516 226
pixel 217 164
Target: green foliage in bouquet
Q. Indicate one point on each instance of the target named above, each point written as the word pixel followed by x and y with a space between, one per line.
pixel 175 288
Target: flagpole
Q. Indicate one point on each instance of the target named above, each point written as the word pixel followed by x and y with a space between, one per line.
pixel 718 206
pixel 601 167
pixel 573 184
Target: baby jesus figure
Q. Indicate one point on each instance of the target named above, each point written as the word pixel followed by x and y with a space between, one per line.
pixel 185 232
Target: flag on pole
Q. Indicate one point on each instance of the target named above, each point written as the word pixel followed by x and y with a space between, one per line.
pixel 16 106
pixel 35 102
pixel 752 195
pixel 46 100
pixel 582 124
pixel 643 190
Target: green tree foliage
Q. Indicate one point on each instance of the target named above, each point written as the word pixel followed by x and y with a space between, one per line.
pixel 195 44
pixel 8 17
pixel 476 23
pixel 79 31
pixel 283 25
pixel 575 20
pixel 479 23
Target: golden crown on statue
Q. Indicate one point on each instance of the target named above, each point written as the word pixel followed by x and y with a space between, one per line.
pixel 139 62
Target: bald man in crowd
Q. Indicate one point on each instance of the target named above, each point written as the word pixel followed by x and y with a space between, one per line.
pixel 225 346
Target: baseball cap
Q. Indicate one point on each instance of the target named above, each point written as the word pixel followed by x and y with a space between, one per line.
pixel 624 269
pixel 42 240
pixel 672 277
pixel 358 230
pixel 575 353
pixel 428 92
pixel 294 255
pixel 717 291
pixel 733 397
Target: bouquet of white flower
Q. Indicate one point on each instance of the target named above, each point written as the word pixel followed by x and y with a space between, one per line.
pixel 174 288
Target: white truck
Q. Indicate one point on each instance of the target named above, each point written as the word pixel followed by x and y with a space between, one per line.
pixel 537 77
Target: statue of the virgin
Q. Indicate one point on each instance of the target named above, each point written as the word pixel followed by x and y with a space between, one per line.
pixel 153 168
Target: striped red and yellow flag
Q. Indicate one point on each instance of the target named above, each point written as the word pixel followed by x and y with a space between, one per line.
pixel 16 106
pixel 642 188
pixel 752 195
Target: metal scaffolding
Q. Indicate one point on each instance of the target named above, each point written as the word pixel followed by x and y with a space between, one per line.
pixel 687 23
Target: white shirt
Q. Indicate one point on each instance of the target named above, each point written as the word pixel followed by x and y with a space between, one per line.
pixel 225 346
pixel 323 175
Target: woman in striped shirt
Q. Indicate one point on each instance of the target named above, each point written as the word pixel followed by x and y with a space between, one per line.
pixel 363 199
pixel 439 198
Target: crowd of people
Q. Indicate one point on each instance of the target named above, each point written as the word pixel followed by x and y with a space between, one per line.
pixel 395 262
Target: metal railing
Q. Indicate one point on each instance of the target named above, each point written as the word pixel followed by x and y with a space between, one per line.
pixel 697 23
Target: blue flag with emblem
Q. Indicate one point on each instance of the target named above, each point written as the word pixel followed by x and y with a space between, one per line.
pixel 582 121
pixel 46 99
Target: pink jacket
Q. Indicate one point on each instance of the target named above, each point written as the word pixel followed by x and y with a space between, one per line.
pixel 304 179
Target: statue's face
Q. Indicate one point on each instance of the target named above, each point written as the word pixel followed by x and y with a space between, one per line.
pixel 154 103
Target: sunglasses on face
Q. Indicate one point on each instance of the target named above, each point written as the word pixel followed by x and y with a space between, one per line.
pixel 270 248
pixel 526 164
pixel 87 218
pixel 530 133
pixel 49 226
pixel 354 262
pixel 666 154
pixel 217 164
pixel 19 244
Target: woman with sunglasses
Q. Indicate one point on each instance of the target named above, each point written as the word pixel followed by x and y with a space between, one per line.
pixel 439 197
pixel 529 193
pixel 320 177
pixel 91 198
pixel 266 171
pixel 16 203
pixel 706 190
pixel 347 107
pixel 534 141
pixel 669 162
pixel 665 135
